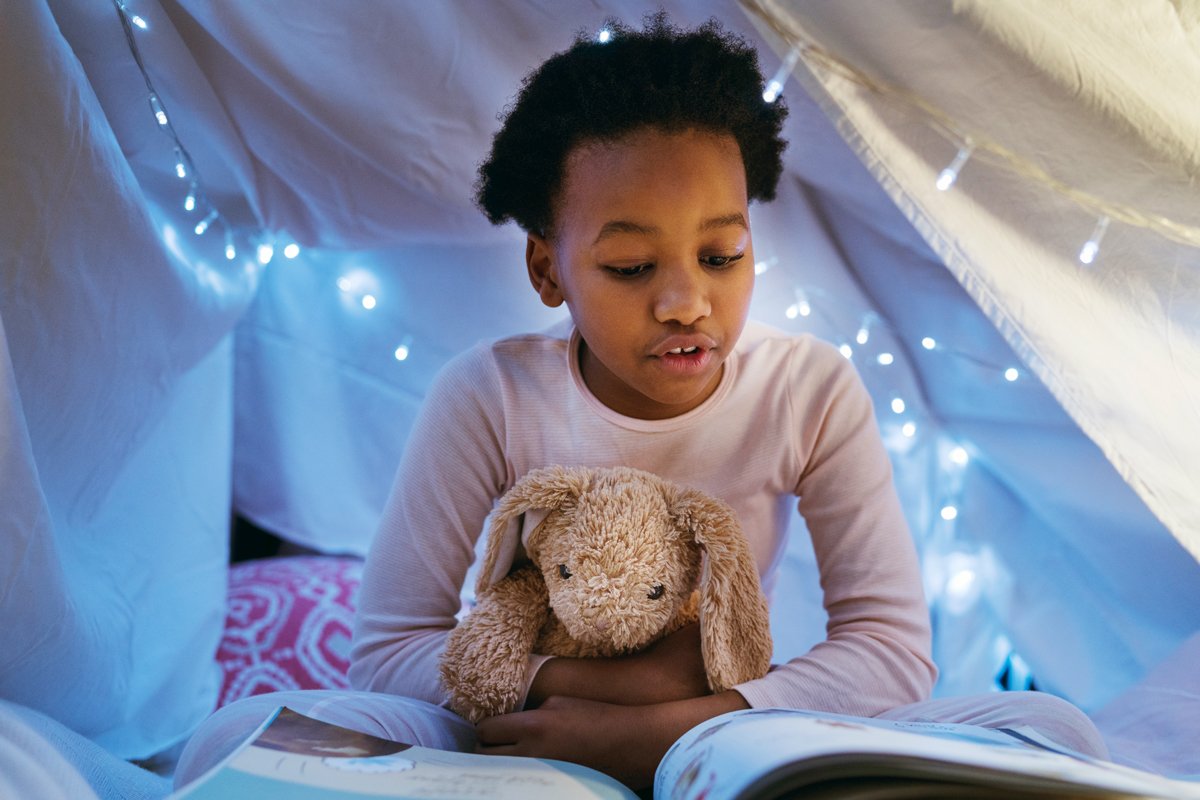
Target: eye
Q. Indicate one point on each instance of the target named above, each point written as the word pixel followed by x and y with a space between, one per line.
pixel 630 272
pixel 721 262
pixel 563 572
pixel 656 592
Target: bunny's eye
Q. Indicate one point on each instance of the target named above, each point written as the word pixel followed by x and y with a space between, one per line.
pixel 563 572
pixel 656 592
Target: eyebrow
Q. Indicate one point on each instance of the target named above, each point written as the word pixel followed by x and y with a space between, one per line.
pixel 613 227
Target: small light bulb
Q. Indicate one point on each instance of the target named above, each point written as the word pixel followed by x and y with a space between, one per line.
pixel 1091 248
pixel 265 253
pixel 189 202
pixel 203 224
pixel 885 359
pixel 800 308
pixel 846 350
pixel 368 301
pixel 343 283
pixel 863 335
pixel 180 168
pixel 761 266
pixel 949 175
pixel 136 20
pixel 403 349
pixel 929 343
pixel 909 429
pixel 898 405
pixel 230 250
pixel 949 513
pixel 959 456
pixel 960 583
pixel 775 85
pixel 291 251
pixel 604 36
pixel 156 107
pixel 1011 374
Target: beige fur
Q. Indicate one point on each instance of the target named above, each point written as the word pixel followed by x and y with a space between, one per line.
pixel 620 533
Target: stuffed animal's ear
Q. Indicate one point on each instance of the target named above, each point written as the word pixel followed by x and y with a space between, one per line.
pixel 535 495
pixel 735 628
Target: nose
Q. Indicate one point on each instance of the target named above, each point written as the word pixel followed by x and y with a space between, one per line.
pixel 595 616
pixel 681 294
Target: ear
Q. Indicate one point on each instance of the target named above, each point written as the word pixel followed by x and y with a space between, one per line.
pixel 542 263
pixel 537 492
pixel 735 630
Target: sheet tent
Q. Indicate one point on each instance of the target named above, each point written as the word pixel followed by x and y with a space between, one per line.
pixel 237 242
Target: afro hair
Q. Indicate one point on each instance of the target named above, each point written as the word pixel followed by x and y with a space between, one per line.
pixel 599 91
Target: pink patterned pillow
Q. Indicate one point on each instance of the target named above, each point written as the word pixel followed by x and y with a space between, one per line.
pixel 288 624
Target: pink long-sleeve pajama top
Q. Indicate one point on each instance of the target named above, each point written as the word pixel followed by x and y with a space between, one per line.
pixel 789 424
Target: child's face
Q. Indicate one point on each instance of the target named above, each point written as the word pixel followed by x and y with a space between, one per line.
pixel 651 254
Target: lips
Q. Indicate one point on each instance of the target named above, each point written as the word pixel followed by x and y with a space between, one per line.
pixel 684 356
pixel 683 345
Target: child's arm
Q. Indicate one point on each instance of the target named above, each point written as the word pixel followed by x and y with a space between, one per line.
pixel 670 669
pixel 876 654
pixel 626 742
pixel 452 470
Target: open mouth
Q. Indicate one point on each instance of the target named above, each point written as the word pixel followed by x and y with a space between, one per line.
pixel 691 360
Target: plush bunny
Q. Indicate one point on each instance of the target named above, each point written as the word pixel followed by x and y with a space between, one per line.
pixel 620 559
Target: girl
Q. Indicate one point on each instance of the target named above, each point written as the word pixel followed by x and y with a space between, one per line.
pixel 631 165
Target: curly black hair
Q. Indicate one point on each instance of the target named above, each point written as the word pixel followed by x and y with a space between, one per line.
pixel 660 77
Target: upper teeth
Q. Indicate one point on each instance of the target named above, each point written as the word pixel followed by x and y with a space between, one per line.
pixel 681 350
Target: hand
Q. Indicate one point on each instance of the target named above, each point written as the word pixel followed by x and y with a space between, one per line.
pixel 623 741
pixel 670 669
pixel 597 735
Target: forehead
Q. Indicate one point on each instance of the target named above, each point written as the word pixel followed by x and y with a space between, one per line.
pixel 651 173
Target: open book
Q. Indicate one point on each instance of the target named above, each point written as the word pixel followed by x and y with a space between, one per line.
pixel 763 754
pixel 759 754
pixel 294 757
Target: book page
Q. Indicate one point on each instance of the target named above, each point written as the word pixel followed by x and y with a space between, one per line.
pixel 294 757
pixel 732 753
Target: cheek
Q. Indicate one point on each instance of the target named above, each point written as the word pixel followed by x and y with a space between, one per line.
pixel 737 297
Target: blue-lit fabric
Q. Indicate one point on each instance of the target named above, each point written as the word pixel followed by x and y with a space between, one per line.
pixel 146 378
pixel 115 405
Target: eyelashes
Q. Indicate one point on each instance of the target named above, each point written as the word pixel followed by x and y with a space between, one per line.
pixel 716 263
pixel 720 262
pixel 630 272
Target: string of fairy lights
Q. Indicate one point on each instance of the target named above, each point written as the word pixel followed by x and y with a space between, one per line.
pixel 958 573
pixel 955 587
pixel 201 210
pixel 355 286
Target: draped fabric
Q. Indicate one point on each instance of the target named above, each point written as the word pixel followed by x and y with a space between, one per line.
pixel 1068 124
pixel 149 382
pixel 115 403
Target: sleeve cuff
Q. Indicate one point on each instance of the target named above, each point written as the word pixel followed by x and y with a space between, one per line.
pixel 531 670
